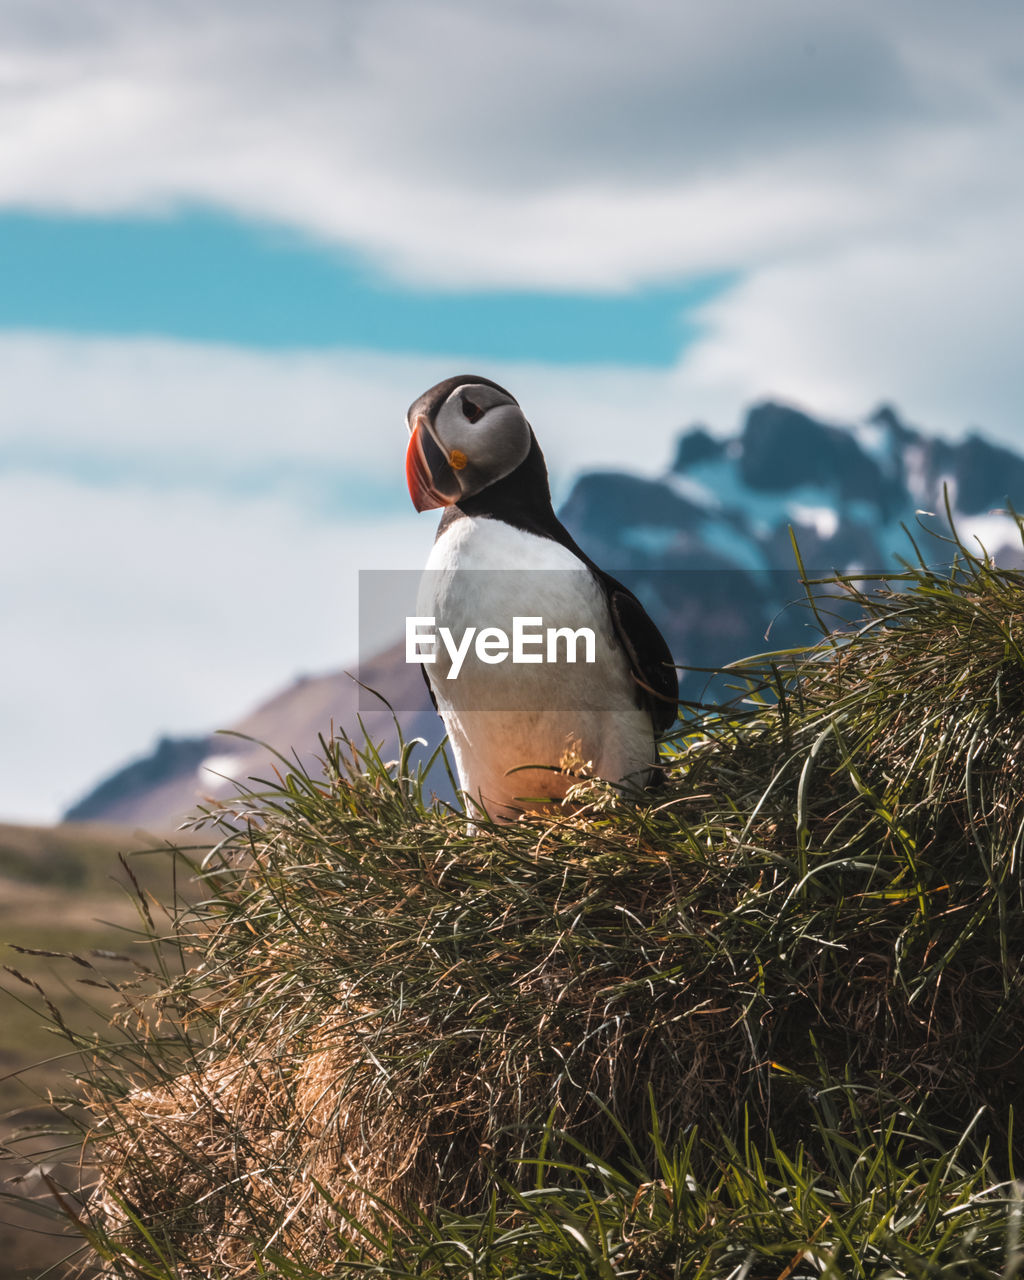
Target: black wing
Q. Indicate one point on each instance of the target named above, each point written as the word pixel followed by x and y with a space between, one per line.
pixel 430 687
pixel 650 658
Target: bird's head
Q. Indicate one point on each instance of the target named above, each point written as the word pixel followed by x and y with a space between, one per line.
pixel 466 433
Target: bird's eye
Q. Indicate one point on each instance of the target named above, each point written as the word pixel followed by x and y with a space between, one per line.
pixel 472 411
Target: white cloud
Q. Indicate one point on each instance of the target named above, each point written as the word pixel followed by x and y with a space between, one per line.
pixel 932 325
pixel 589 145
pixel 322 426
pixel 217 412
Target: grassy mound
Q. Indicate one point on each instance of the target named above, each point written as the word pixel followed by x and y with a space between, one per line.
pixel 766 1023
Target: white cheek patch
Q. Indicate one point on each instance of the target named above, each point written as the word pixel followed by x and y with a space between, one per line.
pixel 490 447
pixel 500 441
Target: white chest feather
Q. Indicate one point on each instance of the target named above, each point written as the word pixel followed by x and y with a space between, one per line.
pixel 504 716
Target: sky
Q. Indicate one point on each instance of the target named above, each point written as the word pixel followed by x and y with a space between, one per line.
pixel 238 238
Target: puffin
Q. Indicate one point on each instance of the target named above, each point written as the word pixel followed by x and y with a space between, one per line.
pixel 522 733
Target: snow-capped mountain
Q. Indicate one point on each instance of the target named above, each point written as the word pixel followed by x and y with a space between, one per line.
pixel 846 492
pixel 707 547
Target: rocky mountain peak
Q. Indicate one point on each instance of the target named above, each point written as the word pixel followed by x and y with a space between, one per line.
pixel 986 475
pixel 784 448
pixel 694 446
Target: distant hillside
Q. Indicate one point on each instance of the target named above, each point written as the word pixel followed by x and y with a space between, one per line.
pixel 62 889
pixel 706 546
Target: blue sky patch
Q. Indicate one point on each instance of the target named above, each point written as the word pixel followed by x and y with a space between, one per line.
pixel 207 277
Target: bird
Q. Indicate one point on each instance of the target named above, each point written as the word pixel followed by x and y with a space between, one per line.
pixel 523 732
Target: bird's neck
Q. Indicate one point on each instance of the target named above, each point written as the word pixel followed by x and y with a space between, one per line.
pixel 522 498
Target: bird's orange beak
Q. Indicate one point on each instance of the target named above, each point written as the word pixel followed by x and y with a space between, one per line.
pixel 432 482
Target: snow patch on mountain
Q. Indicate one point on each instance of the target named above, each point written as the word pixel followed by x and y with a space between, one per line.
pixel 849 492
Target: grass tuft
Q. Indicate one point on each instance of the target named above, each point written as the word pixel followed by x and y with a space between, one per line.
pixel 764 1023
